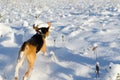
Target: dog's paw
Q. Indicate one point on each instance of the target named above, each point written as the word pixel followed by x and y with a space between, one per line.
pixel 16 78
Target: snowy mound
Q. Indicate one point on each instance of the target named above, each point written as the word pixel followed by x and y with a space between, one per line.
pixel 114 72
pixel 7 36
pixel 4 29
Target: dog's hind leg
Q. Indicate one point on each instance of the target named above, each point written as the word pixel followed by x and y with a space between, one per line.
pixel 30 59
pixel 19 63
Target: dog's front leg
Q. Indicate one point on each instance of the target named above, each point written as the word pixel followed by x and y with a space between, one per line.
pixel 43 49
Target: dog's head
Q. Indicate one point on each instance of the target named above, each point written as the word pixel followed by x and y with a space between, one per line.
pixel 44 30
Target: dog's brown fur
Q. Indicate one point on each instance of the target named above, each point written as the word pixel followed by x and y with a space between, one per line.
pixel 30 48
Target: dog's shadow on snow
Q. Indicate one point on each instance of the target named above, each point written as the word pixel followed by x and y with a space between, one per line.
pixel 64 54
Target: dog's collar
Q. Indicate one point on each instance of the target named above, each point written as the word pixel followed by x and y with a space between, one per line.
pixel 41 33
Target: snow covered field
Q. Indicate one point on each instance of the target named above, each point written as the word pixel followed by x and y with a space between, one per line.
pixel 78 26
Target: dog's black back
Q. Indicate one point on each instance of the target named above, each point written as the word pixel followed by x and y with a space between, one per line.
pixel 36 40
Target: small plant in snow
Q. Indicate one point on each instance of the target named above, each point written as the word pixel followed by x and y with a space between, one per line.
pixel 62 38
pixel 54 42
pixel 0 16
pixel 97 70
pixel 94 49
pixel 118 76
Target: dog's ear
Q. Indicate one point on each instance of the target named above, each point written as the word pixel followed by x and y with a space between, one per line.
pixel 49 24
pixel 35 27
pixel 47 29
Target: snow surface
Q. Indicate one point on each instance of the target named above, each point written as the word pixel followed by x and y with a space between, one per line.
pixel 78 26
